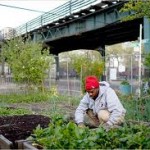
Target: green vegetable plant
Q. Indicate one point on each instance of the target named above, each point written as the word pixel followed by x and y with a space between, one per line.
pixel 67 135
pixel 125 82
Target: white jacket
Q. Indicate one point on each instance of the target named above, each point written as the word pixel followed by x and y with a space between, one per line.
pixel 107 99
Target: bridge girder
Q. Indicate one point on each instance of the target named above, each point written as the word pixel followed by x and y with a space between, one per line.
pixel 108 35
pixel 90 30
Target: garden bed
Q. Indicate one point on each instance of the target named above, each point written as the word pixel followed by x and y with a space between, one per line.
pixel 20 127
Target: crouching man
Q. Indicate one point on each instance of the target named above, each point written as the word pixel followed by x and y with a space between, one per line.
pixel 100 105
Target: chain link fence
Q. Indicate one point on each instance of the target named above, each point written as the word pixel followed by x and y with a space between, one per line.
pixel 68 82
pixel 127 67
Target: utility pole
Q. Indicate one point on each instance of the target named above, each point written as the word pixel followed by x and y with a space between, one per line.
pixel 2 59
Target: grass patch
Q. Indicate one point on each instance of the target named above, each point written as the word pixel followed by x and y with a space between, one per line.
pixel 6 111
pixel 137 109
pixel 24 98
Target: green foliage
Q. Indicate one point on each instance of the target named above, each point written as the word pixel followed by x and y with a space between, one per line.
pixel 125 82
pixel 137 109
pixel 63 135
pixel 61 104
pixel 24 98
pixel 85 66
pixel 55 104
pixel 138 8
pixel 67 99
pixel 147 60
pixel 28 64
pixel 5 111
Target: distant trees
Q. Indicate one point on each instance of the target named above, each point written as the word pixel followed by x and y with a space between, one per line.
pixel 140 8
pixel 89 63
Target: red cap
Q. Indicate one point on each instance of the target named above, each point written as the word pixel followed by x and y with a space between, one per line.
pixel 91 82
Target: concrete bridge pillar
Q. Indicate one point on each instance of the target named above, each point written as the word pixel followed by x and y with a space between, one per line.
pixel 102 52
pixel 34 37
pixel 147 35
pixel 57 66
pixel 37 37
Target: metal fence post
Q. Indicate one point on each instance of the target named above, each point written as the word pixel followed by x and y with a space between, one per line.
pixel 131 76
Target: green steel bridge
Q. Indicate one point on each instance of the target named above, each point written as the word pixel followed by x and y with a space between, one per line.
pixel 84 24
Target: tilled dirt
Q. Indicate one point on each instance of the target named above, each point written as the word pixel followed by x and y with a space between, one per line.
pixel 20 127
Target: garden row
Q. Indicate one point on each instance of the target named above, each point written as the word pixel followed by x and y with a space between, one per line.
pixel 61 133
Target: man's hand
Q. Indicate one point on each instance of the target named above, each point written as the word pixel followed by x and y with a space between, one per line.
pixel 81 125
pixel 96 121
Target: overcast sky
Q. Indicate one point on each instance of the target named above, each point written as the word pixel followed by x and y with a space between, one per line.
pixel 13 17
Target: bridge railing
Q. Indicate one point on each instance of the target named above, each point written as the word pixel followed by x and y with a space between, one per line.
pixel 66 9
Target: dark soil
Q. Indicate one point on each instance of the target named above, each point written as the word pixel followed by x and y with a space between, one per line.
pixel 21 127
